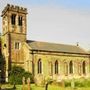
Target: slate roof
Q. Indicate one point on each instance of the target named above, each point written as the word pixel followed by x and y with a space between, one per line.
pixel 45 46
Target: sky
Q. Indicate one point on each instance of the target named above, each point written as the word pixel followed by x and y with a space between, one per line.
pixel 58 21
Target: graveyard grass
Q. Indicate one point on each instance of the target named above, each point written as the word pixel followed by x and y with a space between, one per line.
pixel 50 87
pixel 53 87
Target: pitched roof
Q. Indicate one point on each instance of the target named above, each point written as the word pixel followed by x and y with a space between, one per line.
pixel 45 46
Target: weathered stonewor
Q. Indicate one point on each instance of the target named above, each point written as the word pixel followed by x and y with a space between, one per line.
pixel 14 8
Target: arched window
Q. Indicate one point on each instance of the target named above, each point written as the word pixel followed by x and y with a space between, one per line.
pixel 83 67
pixel 71 67
pixel 20 20
pixel 66 68
pixel 39 66
pixel 13 19
pixel 56 67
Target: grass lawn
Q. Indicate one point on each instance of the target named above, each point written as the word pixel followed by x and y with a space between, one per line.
pixel 50 87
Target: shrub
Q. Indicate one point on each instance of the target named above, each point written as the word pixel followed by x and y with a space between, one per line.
pixel 79 83
pixel 28 75
pixel 82 82
pixel 17 73
pixel 49 81
pixel 67 83
pixel 87 82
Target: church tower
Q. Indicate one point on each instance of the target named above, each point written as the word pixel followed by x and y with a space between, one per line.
pixel 14 31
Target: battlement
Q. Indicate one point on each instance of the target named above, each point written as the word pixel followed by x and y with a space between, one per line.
pixel 14 8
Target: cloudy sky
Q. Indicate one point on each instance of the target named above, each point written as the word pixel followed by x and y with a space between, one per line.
pixel 59 21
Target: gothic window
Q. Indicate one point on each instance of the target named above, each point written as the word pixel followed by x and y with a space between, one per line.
pixel 20 20
pixel 83 67
pixel 66 68
pixel 17 45
pixel 39 66
pixel 13 19
pixel 56 67
pixel 71 67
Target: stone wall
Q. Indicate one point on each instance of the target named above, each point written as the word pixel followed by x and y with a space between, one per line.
pixel 62 58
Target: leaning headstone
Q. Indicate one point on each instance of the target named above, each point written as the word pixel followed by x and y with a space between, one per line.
pixel 23 82
pixel 28 83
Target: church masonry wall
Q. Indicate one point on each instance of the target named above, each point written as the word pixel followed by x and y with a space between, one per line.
pixel 46 58
pixel 28 58
pixel 17 54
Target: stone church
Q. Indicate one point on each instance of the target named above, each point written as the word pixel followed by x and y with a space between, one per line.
pixel 42 59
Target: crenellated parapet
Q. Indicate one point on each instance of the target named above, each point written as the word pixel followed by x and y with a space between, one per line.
pixel 14 8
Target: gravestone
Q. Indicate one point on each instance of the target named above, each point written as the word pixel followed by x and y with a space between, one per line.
pixel 72 84
pixel 28 83
pixel 23 82
pixel 63 83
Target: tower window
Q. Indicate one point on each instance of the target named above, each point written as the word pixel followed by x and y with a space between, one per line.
pixel 20 20
pixel 13 19
pixel 17 45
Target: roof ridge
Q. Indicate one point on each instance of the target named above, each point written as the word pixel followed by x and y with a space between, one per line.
pixel 53 43
pixel 40 45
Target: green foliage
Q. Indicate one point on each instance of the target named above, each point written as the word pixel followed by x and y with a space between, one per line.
pixel 28 75
pixel 49 81
pixel 2 61
pixel 87 83
pixel 34 87
pixel 67 83
pixel 82 82
pixel 17 73
pixel 2 68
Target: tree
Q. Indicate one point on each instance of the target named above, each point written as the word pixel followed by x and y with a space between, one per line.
pixel 17 73
pixel 2 68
